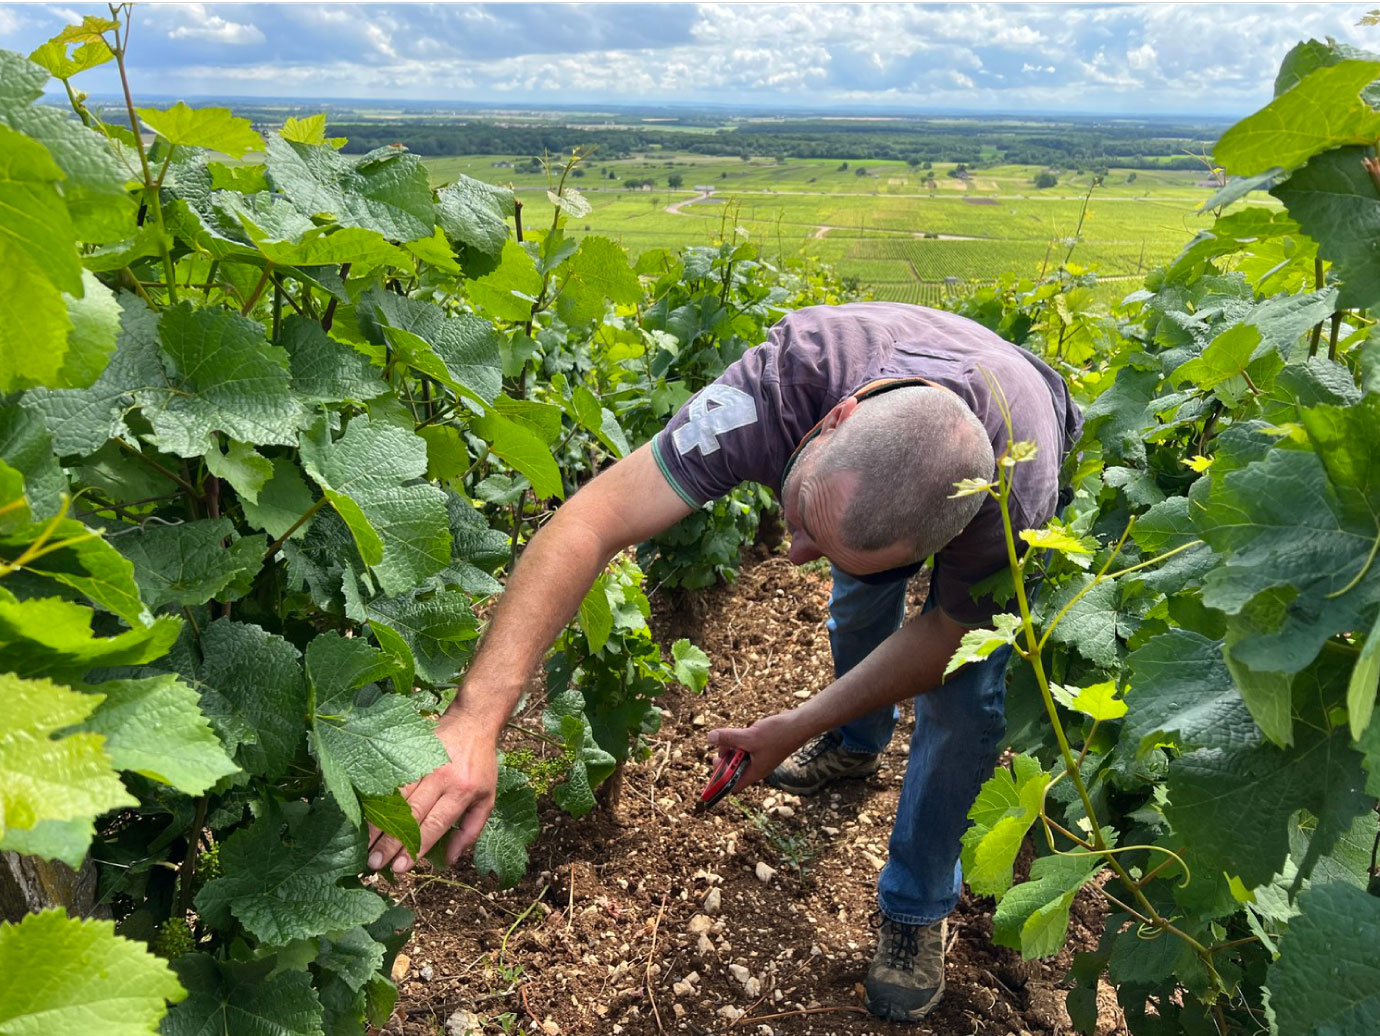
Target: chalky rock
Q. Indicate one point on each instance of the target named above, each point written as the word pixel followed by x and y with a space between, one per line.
pixel 765 873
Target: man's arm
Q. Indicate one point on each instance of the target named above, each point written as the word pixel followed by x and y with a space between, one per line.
pixel 626 504
pixel 911 661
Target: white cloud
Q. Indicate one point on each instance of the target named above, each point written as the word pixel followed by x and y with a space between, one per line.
pixel 10 22
pixel 202 25
pixel 1142 57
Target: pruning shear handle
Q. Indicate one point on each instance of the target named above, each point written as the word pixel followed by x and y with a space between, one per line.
pixel 728 771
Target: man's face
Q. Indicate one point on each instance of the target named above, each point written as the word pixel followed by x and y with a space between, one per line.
pixel 814 506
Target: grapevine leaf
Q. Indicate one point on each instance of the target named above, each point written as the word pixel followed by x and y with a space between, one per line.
pixel 43 777
pixel 1033 916
pixel 87 563
pixel 1225 358
pixel 36 236
pixel 216 129
pixel 1093 625
pixel 544 419
pixel 517 445
pixel 1334 200
pixel 371 477
pixel 460 350
pixel 222 376
pixel 1180 688
pixel 68 975
pixel 193 562
pixel 21 81
pixel 95 320
pixel 1231 804
pixel 52 637
pixel 252 691
pixel 323 370
pixel 475 213
pixel 435 251
pixel 93 188
pixel 435 630
pixel 226 998
pixel 1267 694
pixel 284 888
pixel 598 274
pixel 1327 979
pixel 246 470
pixel 57 57
pixel 386 190
pixel 979 644
pixel 373 743
pixel 26 446
pixel 1275 524
pixel 585 408
pixel 308 130
pixel 596 616
pixel 283 499
pixel 1162 528
pixel 476 549
pixel 690 665
pixel 81 420
pixel 65 840
pixel 1322 112
pixel 501 849
pixel 1005 808
pixel 35 228
pixel 1098 701
pixel 155 727
pixel 1365 679
pixel 331 246
pixel 564 718
pixel 1346 440
pixel 509 290
pixel 354 955
pixel 393 816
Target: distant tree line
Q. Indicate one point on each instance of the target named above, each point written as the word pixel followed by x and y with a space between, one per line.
pixel 973 144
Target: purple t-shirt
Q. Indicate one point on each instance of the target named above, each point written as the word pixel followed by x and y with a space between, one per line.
pixel 745 426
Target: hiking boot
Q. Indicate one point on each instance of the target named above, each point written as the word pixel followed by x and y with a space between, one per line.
pixel 821 762
pixel 906 978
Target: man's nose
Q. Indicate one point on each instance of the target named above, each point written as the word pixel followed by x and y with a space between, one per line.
pixel 803 549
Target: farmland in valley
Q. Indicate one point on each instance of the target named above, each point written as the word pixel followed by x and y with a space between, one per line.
pixel 905 233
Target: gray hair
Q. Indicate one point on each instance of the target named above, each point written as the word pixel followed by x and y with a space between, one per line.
pixel 907 447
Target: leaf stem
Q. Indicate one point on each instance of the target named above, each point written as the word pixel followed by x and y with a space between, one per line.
pixel 306 516
pixel 258 290
pixel 165 472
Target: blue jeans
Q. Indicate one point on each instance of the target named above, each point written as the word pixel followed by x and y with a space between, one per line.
pixel 958 732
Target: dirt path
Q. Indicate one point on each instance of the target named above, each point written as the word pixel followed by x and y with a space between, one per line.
pixel 658 921
pixel 675 207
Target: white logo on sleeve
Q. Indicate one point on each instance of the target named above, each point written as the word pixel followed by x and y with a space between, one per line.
pixel 715 410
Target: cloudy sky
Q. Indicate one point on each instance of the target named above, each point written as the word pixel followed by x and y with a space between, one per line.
pixel 1133 58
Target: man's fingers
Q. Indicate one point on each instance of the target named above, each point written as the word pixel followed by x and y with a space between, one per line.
pixel 423 796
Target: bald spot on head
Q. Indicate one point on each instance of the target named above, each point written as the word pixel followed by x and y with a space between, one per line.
pixel 899 454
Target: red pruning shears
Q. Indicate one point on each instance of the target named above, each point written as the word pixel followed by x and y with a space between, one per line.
pixel 728 771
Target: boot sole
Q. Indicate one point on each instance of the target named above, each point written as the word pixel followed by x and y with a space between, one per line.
pixel 891 1012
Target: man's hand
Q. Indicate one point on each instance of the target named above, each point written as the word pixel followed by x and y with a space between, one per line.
pixel 462 790
pixel 768 741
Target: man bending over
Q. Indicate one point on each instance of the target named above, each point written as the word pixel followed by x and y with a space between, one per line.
pixel 861 418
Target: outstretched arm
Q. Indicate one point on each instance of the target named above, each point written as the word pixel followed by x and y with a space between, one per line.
pixel 626 504
pixel 911 661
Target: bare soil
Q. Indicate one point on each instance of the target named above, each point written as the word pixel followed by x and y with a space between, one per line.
pixel 656 919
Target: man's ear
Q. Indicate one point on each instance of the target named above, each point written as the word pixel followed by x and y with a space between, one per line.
pixel 842 411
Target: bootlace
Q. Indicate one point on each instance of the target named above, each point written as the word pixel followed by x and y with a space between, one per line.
pixel 902 940
pixel 816 748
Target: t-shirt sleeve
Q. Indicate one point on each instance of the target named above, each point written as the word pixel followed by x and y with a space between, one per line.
pixel 731 431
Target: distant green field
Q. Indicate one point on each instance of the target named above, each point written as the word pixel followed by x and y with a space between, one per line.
pixel 907 233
